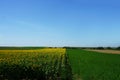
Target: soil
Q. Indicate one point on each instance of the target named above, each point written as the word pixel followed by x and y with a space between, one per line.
pixel 106 51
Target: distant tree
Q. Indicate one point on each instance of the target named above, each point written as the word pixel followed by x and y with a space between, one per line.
pixel 101 48
pixel 83 48
pixel 118 48
pixel 108 47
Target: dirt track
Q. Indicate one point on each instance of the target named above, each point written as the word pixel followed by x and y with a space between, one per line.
pixel 106 51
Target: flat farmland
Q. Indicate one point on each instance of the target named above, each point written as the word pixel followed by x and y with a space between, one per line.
pixel 91 65
pixel 58 64
pixel 36 64
pixel 106 51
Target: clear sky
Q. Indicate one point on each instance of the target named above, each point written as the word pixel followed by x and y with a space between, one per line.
pixel 59 22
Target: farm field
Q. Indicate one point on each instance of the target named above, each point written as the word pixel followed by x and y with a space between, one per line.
pixel 57 64
pixel 36 64
pixel 89 65
pixel 106 51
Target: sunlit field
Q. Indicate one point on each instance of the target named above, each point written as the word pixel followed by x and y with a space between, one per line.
pixel 58 64
pixel 36 64
pixel 89 65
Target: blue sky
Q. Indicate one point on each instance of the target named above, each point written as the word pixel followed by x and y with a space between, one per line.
pixel 59 23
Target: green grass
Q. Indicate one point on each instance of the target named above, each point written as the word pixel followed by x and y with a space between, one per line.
pixel 88 65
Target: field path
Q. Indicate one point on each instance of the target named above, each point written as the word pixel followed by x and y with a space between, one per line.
pixel 105 51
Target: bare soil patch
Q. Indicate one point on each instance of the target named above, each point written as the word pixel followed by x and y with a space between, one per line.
pixel 106 51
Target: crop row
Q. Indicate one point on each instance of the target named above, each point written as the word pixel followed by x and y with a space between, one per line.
pixel 39 64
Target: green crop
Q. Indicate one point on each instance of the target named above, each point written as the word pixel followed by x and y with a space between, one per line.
pixel 58 64
pixel 88 65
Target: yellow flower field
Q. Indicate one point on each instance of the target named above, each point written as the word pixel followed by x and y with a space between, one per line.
pixel 39 64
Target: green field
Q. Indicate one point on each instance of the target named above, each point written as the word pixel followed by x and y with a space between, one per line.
pixel 57 64
pixel 88 65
